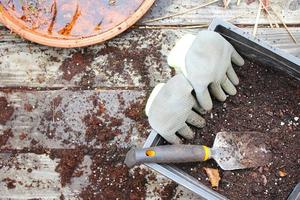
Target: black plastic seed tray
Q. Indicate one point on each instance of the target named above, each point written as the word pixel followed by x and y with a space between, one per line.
pixel 252 49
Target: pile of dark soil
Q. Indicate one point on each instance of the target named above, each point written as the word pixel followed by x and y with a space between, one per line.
pixel 267 101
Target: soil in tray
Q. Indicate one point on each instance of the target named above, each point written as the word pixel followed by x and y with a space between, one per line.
pixel 267 101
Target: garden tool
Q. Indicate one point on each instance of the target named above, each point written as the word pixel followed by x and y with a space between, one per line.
pixel 169 109
pixel 205 60
pixel 231 150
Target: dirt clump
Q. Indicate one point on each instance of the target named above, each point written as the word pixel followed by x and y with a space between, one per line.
pixel 75 65
pixel 168 191
pixel 10 183
pixel 100 130
pixel 101 127
pixel 28 107
pixel 136 111
pixel 69 161
pixel 5 136
pixel 6 111
pixel 88 79
pixel 135 57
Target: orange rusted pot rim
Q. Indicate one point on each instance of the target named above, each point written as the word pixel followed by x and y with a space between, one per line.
pixel 14 25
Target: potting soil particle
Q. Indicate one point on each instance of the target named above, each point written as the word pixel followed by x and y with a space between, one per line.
pixel 6 111
pixel 10 183
pixel 5 136
pixel 267 101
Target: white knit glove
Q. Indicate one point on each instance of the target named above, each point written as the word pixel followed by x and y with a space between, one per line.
pixel 205 60
pixel 169 108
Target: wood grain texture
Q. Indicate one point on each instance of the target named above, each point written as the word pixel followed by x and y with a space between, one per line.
pixel 244 14
pixel 60 119
pixel 29 175
pixel 136 59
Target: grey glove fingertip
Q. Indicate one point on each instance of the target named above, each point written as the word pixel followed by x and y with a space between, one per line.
pixel 232 76
pixel 236 58
pixel 196 120
pixel 228 87
pixel 204 99
pixel 198 108
pixel 186 132
pixel 216 91
pixel 173 139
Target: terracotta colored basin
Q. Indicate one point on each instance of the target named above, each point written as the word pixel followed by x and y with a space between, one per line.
pixel 71 23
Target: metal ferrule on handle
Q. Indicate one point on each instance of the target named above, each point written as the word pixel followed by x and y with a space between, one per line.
pixel 168 154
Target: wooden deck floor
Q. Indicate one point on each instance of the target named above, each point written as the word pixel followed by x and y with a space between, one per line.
pixel 50 100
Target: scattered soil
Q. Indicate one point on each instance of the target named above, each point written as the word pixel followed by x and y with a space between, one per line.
pixel 136 111
pixel 69 161
pixel 6 111
pixel 268 101
pixel 23 135
pixel 168 191
pixel 88 79
pixel 62 197
pixel 28 107
pixel 100 130
pixel 100 126
pixel 48 125
pixel 111 179
pixel 249 1
pixel 135 56
pixel 10 183
pixel 56 101
pixel 75 65
pixel 5 136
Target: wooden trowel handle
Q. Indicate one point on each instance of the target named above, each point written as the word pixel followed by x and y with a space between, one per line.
pixel 168 154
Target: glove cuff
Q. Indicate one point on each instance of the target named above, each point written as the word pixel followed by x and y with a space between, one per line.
pixel 152 96
pixel 176 57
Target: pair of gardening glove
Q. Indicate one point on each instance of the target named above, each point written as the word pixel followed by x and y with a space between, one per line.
pixel 203 64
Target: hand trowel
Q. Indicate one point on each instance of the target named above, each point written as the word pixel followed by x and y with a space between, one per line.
pixel 231 150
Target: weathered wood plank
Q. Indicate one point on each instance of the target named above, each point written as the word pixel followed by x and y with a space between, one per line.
pixel 63 119
pixel 243 14
pixel 28 176
pixel 135 59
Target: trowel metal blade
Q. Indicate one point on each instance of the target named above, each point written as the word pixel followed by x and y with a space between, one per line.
pixel 239 150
